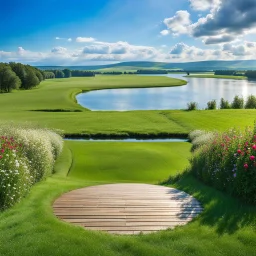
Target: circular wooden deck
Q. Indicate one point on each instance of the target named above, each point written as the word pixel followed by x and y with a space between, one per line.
pixel 127 208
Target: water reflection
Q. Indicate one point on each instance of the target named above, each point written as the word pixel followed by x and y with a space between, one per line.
pixel 200 90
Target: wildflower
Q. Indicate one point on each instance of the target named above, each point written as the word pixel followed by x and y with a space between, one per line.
pixel 252 158
pixel 234 175
pixel 1 157
pixel 246 166
pixel 254 147
pixel 239 151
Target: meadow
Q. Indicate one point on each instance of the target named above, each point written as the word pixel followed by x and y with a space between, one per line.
pixel 31 228
pixel 52 103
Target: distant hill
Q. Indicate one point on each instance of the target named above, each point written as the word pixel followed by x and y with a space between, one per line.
pixel 135 65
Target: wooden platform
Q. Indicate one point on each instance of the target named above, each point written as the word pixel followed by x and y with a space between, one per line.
pixel 127 208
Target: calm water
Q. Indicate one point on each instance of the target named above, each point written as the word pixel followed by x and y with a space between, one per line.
pixel 200 90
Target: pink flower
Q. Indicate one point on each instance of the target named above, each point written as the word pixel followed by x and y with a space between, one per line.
pixel 239 151
pixel 246 166
pixel 2 150
pixel 252 158
pixel 1 157
pixel 254 147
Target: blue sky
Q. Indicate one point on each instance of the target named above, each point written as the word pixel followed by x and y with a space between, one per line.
pixel 85 32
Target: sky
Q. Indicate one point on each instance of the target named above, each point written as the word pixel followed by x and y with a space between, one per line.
pixel 93 32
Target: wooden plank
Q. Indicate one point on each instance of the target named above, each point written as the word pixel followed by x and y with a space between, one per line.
pixel 127 208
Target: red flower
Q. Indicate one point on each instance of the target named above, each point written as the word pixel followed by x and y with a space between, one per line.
pixel 239 151
pixel 254 147
pixel 246 166
pixel 1 157
pixel 252 158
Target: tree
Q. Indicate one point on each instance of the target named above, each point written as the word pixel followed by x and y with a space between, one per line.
pixel 8 79
pixel 238 103
pixel 67 73
pixel 224 104
pixel 250 102
pixel 31 79
pixel 20 71
pixel 211 105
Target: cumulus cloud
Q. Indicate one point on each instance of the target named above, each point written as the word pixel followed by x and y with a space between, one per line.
pixel 178 24
pixel 219 39
pixel 241 50
pixel 232 18
pixel 203 5
pixel 85 39
pixel 164 32
pixel 59 50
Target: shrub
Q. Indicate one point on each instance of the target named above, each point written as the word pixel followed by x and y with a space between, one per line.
pixel 224 104
pixel 211 105
pixel 228 162
pixel 238 103
pixel 192 106
pixel 199 138
pixel 26 156
pixel 250 102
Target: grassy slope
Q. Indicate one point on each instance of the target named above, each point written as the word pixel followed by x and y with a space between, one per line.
pixel 127 162
pixel 219 76
pixel 59 94
pixel 226 227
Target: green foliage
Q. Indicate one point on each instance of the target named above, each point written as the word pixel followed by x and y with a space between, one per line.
pixel 250 102
pixel 251 74
pixel 67 73
pixel 224 104
pixel 228 162
pixel 211 105
pixel 225 72
pixel 26 156
pixel 192 106
pixel 8 79
pixel 237 103
pixel 48 75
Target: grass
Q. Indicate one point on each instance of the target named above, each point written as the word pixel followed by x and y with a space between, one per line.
pixel 127 162
pixel 226 226
pixel 53 103
pixel 219 76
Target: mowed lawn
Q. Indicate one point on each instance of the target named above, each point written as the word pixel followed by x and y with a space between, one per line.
pixel 149 162
pixel 225 227
pixel 59 95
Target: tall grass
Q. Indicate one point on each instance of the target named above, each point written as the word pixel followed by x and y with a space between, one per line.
pixel 26 156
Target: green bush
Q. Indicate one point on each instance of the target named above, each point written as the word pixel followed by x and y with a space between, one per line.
pixel 26 156
pixel 224 104
pixel 211 105
pixel 238 103
pixel 199 137
pixel 250 102
pixel 192 106
pixel 228 162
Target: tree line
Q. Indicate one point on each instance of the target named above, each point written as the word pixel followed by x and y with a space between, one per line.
pixel 18 76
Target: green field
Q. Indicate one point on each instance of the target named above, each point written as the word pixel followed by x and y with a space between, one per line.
pixel 225 227
pixel 41 106
pixel 127 161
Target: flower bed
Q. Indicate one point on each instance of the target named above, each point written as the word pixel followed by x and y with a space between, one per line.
pixel 227 161
pixel 26 156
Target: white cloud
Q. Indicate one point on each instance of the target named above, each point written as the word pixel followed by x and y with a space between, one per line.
pixel 85 39
pixel 244 49
pixel 204 5
pixel 164 32
pixel 178 24
pixel 59 50
pixel 231 19
pixel 63 38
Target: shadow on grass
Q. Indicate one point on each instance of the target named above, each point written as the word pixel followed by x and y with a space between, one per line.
pixel 221 211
